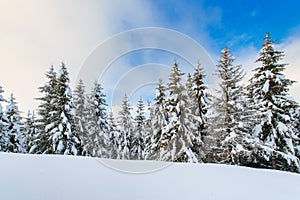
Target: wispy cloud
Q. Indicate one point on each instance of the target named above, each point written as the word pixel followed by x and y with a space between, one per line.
pixel 35 34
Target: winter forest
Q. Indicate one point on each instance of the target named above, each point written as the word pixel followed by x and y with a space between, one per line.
pixel 255 125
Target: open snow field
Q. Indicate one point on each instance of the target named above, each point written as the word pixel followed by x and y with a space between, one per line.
pixel 36 177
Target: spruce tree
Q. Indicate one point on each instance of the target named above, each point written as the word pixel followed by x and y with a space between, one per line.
pixel 229 122
pixel 276 108
pixel 113 135
pixel 97 122
pixel 63 133
pixel 159 119
pixel 29 132
pixel 15 141
pixel 47 113
pixel 148 130
pixel 81 113
pixel 138 143
pixel 200 101
pixel 125 124
pixel 176 135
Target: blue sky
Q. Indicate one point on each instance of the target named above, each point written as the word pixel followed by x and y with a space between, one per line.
pixel 233 23
pixel 36 34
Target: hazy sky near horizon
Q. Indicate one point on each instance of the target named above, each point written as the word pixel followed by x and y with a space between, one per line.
pixel 35 34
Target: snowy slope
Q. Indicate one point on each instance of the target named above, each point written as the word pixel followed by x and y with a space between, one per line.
pixel 30 177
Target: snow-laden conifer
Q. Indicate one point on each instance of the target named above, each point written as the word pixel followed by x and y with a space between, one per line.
pixel 15 140
pixel 63 135
pixel 47 113
pixel 29 132
pixel 199 102
pixel 125 124
pixel 138 140
pixel 97 122
pixel 159 119
pixel 3 124
pixel 176 136
pixel 275 107
pixel 229 120
pixel 113 135
pixel 81 114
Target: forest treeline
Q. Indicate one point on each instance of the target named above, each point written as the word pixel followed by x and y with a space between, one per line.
pixel 255 125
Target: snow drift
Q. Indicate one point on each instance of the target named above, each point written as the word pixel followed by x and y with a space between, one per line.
pixel 31 177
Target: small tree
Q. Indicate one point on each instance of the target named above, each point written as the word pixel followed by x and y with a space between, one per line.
pixel 15 142
pixel 3 124
pixel 138 143
pixel 29 132
pixel 114 136
pixel 125 123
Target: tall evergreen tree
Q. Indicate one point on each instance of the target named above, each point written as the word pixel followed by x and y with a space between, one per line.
pixel 275 107
pixel 176 136
pixel 81 113
pixel 15 141
pixel 198 104
pixel 159 119
pixel 125 123
pixel 138 143
pixel 229 122
pixel 47 113
pixel 63 134
pixel 97 122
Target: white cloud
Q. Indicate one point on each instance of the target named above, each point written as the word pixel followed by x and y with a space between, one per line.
pixel 35 34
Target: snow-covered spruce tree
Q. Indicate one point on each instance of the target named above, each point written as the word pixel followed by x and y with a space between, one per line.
pixel 113 135
pixel 81 113
pixel 29 132
pixel 159 119
pixel 138 140
pixel 125 123
pixel 199 101
pixel 97 123
pixel 47 114
pixel 15 141
pixel 3 124
pixel 63 133
pixel 229 119
pixel 176 135
pixel 275 108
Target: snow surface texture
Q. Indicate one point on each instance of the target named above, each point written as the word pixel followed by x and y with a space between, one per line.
pixel 30 177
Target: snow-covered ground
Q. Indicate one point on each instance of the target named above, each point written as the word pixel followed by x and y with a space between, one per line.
pixel 30 177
